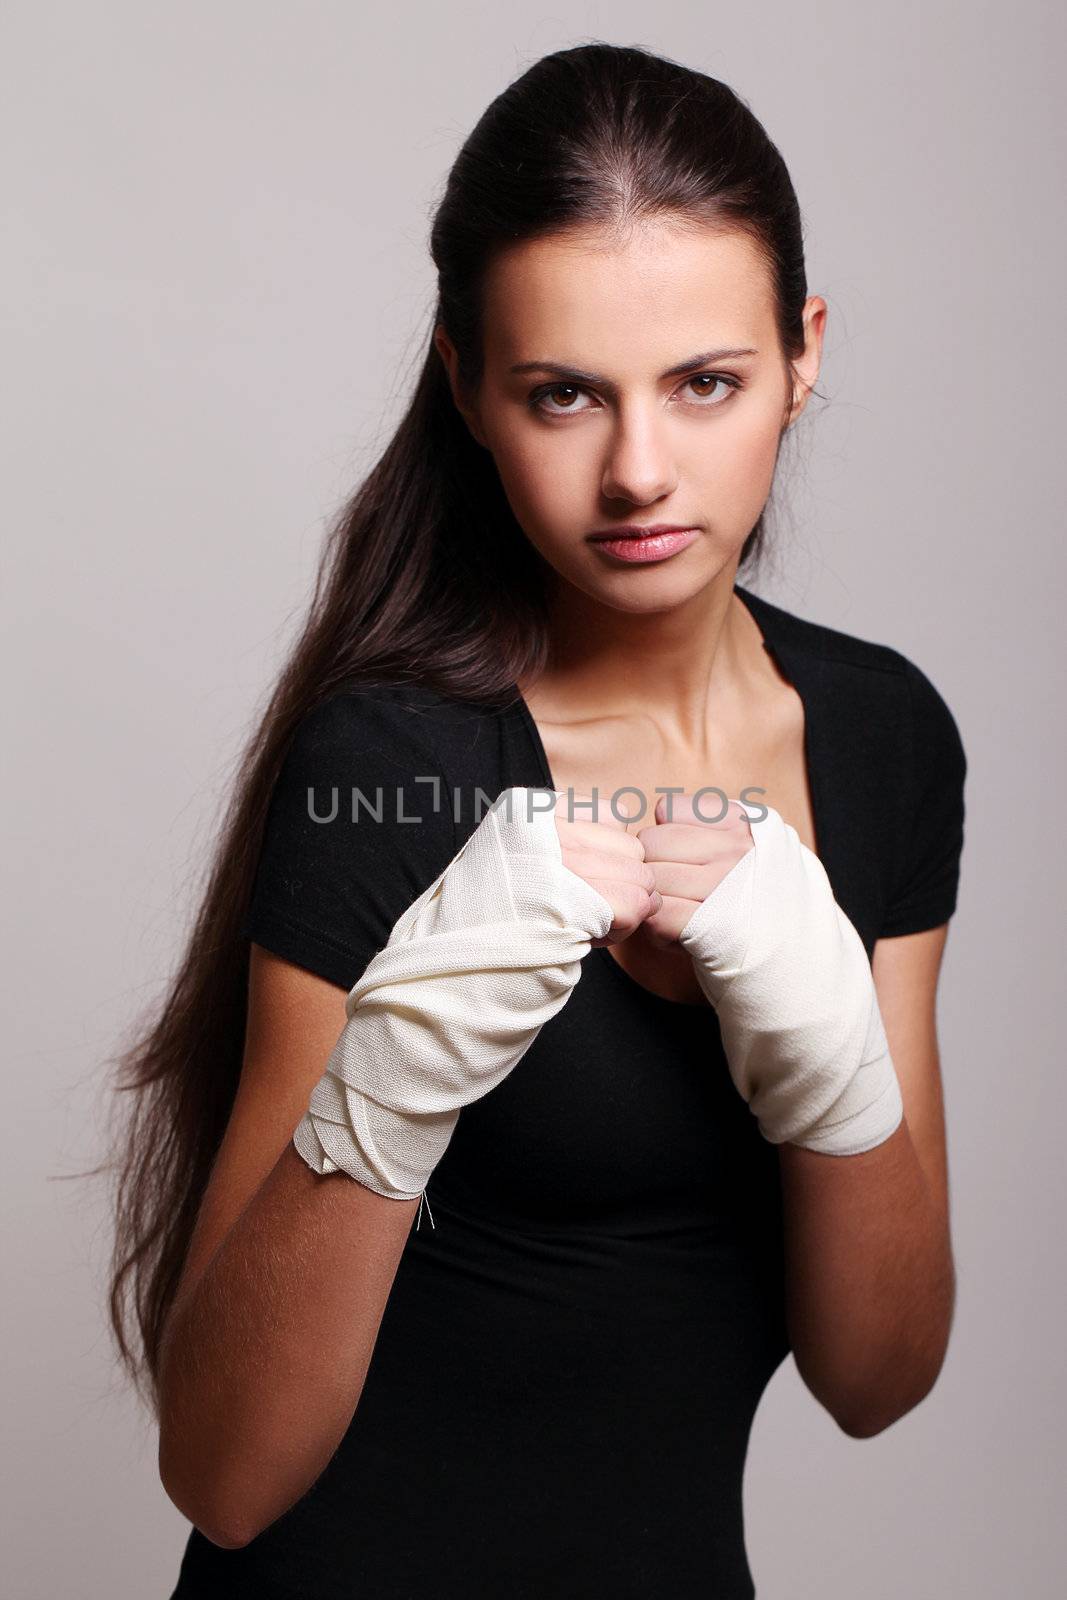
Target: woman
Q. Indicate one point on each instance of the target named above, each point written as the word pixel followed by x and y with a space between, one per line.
pixel 635 1207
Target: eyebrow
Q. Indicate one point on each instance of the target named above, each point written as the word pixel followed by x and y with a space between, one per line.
pixel 574 375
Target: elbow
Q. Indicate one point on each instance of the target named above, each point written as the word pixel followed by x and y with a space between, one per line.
pixel 236 1502
pixel 864 1413
pixel 224 1539
pixel 218 1529
pixel 865 1423
pixel 217 1526
pixel 867 1392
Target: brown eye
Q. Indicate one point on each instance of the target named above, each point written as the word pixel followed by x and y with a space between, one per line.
pixel 539 396
pixel 712 378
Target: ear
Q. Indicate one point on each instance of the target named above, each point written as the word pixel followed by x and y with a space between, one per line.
pixel 805 369
pixel 447 351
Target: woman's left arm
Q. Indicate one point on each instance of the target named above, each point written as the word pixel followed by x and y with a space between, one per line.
pixel 870 1280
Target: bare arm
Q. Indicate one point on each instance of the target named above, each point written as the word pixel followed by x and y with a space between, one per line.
pixel 271 1334
pixel 870 1280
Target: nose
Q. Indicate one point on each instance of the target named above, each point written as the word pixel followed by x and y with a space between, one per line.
pixel 640 466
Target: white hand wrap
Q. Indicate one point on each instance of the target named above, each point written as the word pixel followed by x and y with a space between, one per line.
pixel 790 980
pixel 471 972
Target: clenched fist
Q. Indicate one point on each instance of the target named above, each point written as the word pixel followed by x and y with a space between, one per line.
pixel 611 860
pixel 688 858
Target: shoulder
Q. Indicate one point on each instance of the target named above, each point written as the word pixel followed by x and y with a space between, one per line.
pixel 889 748
pixel 864 679
pixel 360 818
pixel 391 714
pixel 393 727
pixel 787 630
pixel 417 752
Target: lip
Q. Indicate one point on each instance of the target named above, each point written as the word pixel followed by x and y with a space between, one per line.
pixel 653 543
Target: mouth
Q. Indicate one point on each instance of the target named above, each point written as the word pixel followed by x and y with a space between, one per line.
pixel 634 544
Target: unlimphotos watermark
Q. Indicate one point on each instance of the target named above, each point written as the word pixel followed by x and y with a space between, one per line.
pixel 391 802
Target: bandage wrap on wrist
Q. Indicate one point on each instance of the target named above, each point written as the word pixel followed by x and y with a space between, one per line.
pixel 471 972
pixel 790 980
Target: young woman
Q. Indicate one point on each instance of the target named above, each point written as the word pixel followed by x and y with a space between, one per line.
pixel 541 1382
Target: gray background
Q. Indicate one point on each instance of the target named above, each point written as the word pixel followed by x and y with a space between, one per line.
pixel 216 281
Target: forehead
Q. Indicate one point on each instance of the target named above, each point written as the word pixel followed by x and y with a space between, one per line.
pixel 585 299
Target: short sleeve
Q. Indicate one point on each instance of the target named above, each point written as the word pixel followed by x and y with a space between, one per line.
pixel 925 889
pixel 358 825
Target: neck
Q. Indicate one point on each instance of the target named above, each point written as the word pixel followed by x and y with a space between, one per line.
pixel 678 667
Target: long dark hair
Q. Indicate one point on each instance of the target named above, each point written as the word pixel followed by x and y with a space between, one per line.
pixel 426 574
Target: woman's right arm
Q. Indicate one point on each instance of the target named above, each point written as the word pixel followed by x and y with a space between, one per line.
pixel 274 1325
pixel 271 1332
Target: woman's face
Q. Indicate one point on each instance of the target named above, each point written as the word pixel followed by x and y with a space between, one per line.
pixel 591 429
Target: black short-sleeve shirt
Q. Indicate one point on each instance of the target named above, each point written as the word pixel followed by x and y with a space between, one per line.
pixel 565 1377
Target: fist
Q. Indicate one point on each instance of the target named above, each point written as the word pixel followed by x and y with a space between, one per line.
pixel 611 860
pixel 689 857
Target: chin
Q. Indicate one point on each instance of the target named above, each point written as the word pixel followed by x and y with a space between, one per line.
pixel 645 589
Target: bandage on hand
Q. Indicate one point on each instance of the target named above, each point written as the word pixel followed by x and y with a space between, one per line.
pixel 791 983
pixel 471 972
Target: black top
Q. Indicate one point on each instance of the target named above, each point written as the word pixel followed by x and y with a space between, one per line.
pixel 561 1394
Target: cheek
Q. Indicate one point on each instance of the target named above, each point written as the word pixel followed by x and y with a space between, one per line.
pixel 544 481
pixel 735 468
